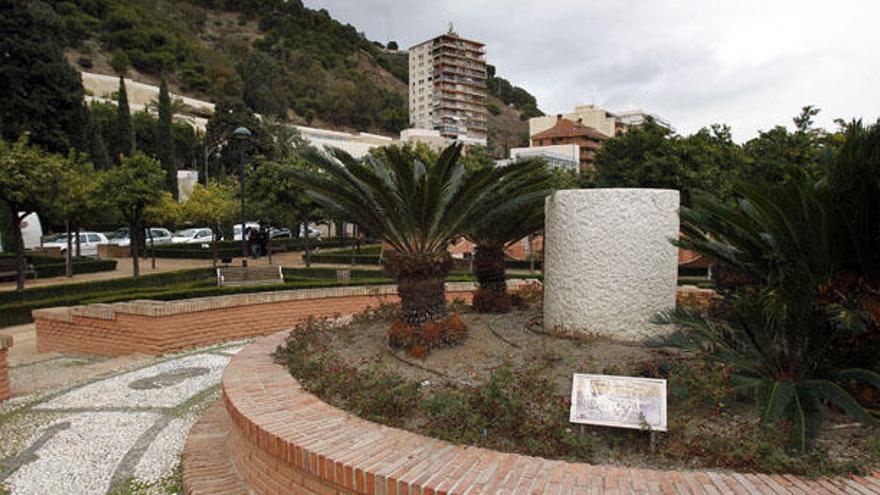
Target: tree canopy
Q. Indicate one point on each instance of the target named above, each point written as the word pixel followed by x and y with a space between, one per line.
pixel 42 93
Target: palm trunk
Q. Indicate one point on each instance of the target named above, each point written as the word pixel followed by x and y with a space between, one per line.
pixel 68 255
pixel 421 285
pixel 489 269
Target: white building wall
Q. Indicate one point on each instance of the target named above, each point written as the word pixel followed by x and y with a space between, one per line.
pixel 421 86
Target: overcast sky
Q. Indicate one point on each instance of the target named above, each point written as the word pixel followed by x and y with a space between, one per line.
pixel 751 64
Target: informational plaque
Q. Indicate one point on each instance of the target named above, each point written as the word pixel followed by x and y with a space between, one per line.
pixel 621 401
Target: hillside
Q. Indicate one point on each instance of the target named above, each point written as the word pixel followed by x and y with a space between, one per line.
pixel 277 56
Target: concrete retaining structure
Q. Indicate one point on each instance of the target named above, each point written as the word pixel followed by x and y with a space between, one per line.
pixel 608 263
pixel 156 327
pixel 5 390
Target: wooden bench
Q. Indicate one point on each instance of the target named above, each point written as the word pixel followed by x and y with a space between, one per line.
pixel 255 275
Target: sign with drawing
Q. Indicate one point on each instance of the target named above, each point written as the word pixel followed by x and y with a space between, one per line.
pixel 621 401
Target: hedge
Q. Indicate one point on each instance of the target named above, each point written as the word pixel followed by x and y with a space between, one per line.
pixel 231 249
pixel 47 266
pixel 79 267
pixel 345 259
pixel 16 307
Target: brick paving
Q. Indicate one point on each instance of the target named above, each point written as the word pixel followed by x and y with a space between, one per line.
pixel 281 439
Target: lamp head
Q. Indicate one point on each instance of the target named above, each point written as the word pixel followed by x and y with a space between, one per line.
pixel 242 133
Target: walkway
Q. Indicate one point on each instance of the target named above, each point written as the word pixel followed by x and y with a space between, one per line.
pixel 118 429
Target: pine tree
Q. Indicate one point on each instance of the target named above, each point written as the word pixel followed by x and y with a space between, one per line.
pixel 166 139
pixel 125 127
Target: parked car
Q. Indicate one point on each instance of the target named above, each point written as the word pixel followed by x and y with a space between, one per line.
pixel 313 232
pixel 88 242
pixel 192 236
pixel 279 233
pixel 160 236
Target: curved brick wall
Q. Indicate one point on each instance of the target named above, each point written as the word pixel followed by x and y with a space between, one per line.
pixel 5 344
pixel 156 327
pixel 283 439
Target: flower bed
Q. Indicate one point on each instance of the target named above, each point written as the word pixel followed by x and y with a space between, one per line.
pixel 278 438
pixel 507 387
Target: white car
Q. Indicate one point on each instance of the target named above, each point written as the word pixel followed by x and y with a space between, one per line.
pixel 160 236
pixel 192 236
pixel 88 242
pixel 313 232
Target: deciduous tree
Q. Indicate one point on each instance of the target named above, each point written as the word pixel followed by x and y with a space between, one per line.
pixel 130 188
pixel 214 205
pixel 29 182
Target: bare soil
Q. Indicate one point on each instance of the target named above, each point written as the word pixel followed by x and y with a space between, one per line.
pixel 495 340
pixel 708 428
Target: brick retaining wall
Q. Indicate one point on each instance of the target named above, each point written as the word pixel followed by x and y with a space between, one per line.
pixel 5 344
pixel 156 327
pixel 274 437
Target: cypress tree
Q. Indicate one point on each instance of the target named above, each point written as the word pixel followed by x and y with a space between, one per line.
pixel 166 139
pixel 97 146
pixel 125 127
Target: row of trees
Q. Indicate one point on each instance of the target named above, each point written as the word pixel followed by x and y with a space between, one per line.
pixel 709 160
pixel 69 189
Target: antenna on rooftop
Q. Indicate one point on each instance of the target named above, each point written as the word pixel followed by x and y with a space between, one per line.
pixel 451 28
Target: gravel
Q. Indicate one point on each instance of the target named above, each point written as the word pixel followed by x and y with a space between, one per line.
pixel 116 393
pixel 129 426
pixel 76 458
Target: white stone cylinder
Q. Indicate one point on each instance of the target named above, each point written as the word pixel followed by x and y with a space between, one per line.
pixel 609 265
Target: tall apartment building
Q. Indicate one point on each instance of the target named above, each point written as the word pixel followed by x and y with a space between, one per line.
pixel 447 87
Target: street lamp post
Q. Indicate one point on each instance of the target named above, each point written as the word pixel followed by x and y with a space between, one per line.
pixel 242 134
pixel 213 150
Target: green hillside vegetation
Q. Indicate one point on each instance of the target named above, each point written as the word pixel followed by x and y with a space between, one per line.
pixel 279 57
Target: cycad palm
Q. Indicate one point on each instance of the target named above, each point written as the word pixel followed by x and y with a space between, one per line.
pixel 781 333
pixel 416 207
pixel 518 212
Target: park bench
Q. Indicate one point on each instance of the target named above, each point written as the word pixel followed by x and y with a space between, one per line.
pixel 9 269
pixel 254 275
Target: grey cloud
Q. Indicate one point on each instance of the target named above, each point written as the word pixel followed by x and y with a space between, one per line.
pixel 749 63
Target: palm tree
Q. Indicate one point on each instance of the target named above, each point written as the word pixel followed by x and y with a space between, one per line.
pixel 418 208
pixel 519 213
pixel 789 332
